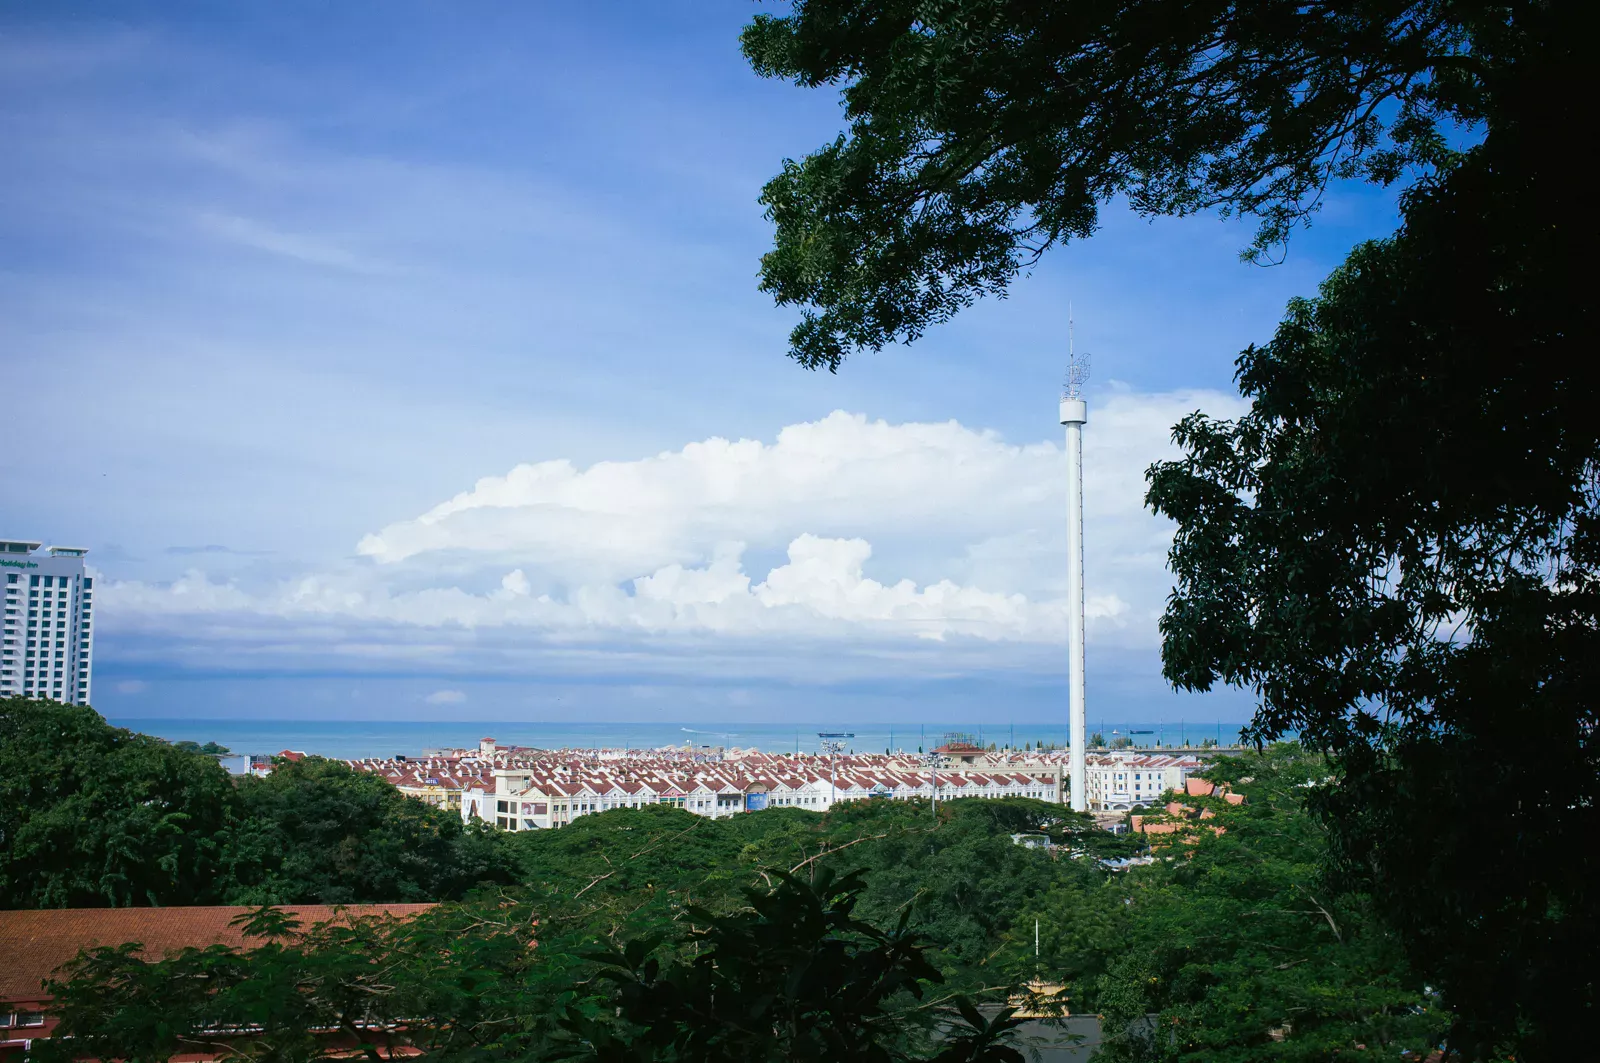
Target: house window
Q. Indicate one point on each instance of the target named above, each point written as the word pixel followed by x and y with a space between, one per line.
pixel 30 1018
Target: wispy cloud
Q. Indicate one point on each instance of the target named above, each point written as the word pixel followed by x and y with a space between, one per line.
pixel 211 548
pixel 312 250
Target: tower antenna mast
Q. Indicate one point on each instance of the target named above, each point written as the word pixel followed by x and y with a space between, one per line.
pixel 1074 415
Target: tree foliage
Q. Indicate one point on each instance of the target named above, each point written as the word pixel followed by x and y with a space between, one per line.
pixel 983 132
pixel 455 983
pixel 318 831
pixel 210 748
pixel 869 933
pixel 965 877
pixel 1243 945
pixel 1244 949
pixel 795 976
pixel 633 872
pixel 93 815
pixel 1397 549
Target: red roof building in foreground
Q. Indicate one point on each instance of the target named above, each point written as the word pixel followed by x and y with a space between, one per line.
pixel 1181 814
pixel 35 943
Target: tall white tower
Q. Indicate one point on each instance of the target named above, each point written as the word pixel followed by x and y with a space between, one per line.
pixel 1074 414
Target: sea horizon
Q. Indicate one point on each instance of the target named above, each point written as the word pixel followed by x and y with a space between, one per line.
pixel 353 739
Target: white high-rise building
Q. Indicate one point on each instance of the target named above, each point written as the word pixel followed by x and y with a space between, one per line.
pixel 48 632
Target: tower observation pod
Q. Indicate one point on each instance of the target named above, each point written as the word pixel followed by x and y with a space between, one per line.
pixel 1074 415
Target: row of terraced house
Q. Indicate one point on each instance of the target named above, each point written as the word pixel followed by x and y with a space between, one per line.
pixel 528 789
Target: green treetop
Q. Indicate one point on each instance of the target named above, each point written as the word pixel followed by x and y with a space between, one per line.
pixel 1232 946
pixel 984 132
pixel 92 815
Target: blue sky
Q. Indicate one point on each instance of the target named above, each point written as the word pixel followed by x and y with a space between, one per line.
pixel 393 360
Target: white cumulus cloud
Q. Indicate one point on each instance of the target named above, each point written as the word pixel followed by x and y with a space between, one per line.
pixel 842 530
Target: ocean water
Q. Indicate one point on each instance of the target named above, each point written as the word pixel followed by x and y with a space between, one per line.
pixel 377 738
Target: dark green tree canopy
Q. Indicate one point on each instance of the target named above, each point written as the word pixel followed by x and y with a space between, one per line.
pixel 794 976
pixel 983 132
pixel 93 815
pixel 1244 947
pixel 1398 550
pixel 653 934
pixel 210 748
pixel 316 830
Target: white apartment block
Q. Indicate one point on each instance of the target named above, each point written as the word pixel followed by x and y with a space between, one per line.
pixel 1117 782
pixel 48 636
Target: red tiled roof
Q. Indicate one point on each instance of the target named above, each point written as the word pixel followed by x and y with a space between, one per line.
pixel 35 942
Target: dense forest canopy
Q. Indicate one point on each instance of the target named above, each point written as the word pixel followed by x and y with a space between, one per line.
pixel 94 815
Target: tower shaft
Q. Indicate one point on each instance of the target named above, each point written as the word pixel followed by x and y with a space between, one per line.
pixel 1074 414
